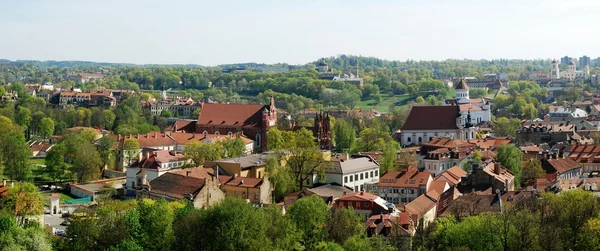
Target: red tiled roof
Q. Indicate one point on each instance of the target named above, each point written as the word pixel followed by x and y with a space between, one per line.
pixel 242 115
pixel 563 165
pixel 196 172
pixel 358 196
pixel 404 179
pixel 183 125
pixel 431 118
pixel 244 182
pixel 175 185
pixel 447 142
pixel 438 186
pixel 420 205
pixel 462 85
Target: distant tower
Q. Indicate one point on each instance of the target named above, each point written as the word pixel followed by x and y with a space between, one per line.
pixel 462 92
pixel 323 66
pixel 357 68
pixel 163 93
pixel 587 70
pixel 555 72
pixel 571 66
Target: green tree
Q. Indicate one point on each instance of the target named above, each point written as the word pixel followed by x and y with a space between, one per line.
pixel 46 127
pixel 532 170
pixel 156 220
pixel 83 234
pixel 166 114
pixel 130 148
pixel 23 116
pixel 372 139
pixel 15 154
pixel 344 224
pixel 506 127
pixel 233 147
pixel 55 162
pixel 107 150
pixel 344 135
pixel 310 215
pixel 282 178
pixel 281 230
pixel 510 156
pixel 108 119
pixel 200 152
pixel 390 156
pixel 86 164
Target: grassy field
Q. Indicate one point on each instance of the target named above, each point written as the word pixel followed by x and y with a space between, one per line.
pixel 38 161
pixel 397 100
pixel 63 197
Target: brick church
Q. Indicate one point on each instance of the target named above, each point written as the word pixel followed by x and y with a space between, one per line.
pixel 252 120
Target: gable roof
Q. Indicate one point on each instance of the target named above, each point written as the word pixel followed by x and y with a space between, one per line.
pixel 243 115
pixel 404 179
pixel 562 165
pixel 352 165
pixel 431 118
pixel 175 185
pixel 420 205
pixel 462 85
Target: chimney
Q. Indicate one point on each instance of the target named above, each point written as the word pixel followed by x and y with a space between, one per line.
pixel 217 172
pixel 554 155
pixel 344 193
pixel 362 193
pixel 147 154
pixel 242 182
pixel 381 217
pixel 496 168
pixel 347 156
pixel 187 173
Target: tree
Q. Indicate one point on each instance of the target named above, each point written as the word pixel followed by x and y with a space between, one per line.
pixel 310 215
pixel 390 155
pixel 233 147
pixel 107 149
pixel 532 170
pixel 200 152
pixel 130 148
pixel 15 154
pixel 156 219
pixel 86 164
pixel 506 127
pixel 344 224
pixel 46 127
pixel 23 116
pixel 108 119
pixel 343 134
pixel 166 114
pixel 55 162
pixel 510 156
pixel 25 238
pixel 24 199
pixel 372 139
pixel 282 177
pixel 281 230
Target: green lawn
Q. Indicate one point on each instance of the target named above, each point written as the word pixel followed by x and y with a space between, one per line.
pixel 41 161
pixel 384 105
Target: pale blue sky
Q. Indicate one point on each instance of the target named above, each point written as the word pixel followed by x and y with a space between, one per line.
pixel 296 32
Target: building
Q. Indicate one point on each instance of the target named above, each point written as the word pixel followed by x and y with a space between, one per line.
pixel 251 166
pixel 353 173
pixel 545 133
pixel 440 160
pixel 486 176
pixel 559 113
pixel 257 191
pixel 364 203
pixel 400 225
pixel 424 208
pixel 401 187
pixel 252 120
pixel 426 122
pixel 583 61
pixel 571 73
pixel 588 156
pixel 475 203
pixel 563 168
pixel 83 78
pixel 179 106
pixel 565 60
pixel 328 192
pixel 478 109
pixel 155 163
pixel 202 193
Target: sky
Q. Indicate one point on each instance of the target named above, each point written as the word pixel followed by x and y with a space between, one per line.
pixel 295 32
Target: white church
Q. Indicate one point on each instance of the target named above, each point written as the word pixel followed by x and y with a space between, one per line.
pixel 571 74
pixel 478 108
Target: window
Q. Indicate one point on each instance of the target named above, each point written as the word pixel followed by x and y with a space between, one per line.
pixel 243 195
pixel 355 188
pixel 401 190
pixel 346 179
pixel 356 177
pixel 229 133
pixel 256 196
pixel 372 174
pixel 362 177
pixel 351 178
pixel 403 200
pixel 133 184
pixel 408 140
pixel 259 173
pixel 361 188
pixel 366 205
pixel 420 140
pixel 376 172
pixel 205 132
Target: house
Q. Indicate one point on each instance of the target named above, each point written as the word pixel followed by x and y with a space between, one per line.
pixel 489 177
pixel 559 113
pixel 353 173
pixel 489 143
pixel 39 149
pixel 473 203
pixel 251 166
pixel 252 120
pixel 401 187
pixel 545 133
pixel 586 184
pixel 364 203
pixel 588 156
pixel 564 168
pixel 426 122
pixel 94 189
pixel 452 176
pixel 257 191
pixel 179 106
pixel 328 192
pixel 422 208
pixel 399 225
pixel 201 192
pixel 442 159
pixel 155 163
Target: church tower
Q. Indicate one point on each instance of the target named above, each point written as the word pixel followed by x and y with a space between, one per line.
pixel 462 92
pixel 572 67
pixel 587 71
pixel 555 72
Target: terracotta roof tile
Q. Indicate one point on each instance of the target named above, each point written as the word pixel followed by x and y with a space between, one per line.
pixel 243 115
pixel 175 185
pixel 404 179
pixel 431 118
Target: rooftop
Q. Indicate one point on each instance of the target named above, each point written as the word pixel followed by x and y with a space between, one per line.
pixel 431 118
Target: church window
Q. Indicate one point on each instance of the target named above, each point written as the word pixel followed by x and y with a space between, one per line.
pixel 217 133
pixel 409 139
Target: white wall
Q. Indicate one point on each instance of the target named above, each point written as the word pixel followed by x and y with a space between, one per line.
pixel 355 184
pixel 425 135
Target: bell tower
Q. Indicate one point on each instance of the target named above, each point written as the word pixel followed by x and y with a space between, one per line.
pixel 555 71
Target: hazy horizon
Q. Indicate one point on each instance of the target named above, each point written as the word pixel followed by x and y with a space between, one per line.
pixel 270 32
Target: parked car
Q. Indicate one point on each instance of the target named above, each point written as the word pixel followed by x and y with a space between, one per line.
pixel 61 233
pixel 65 223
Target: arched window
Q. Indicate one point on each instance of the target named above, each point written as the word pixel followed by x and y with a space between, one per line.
pixel 257 139
pixel 229 133
pixel 409 139
pixel 205 132
pixel 420 140
pixel 217 133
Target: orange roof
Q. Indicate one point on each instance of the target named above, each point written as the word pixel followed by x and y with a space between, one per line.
pixel 196 172
pixel 404 179
pixel 358 196
pixel 446 142
pixel 420 205
pixel 243 115
pixel 438 186
pixel 240 181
